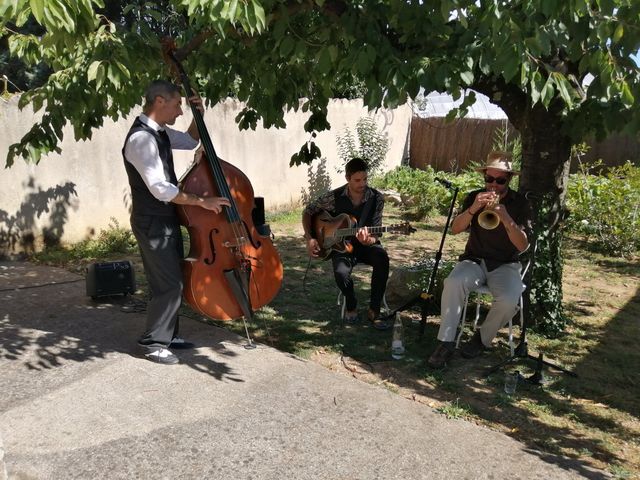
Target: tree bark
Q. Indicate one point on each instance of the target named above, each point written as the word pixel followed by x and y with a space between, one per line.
pixel 546 157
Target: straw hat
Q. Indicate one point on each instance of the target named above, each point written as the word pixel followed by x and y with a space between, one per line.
pixel 499 161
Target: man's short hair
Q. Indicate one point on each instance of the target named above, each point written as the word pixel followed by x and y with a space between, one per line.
pixel 355 165
pixel 159 88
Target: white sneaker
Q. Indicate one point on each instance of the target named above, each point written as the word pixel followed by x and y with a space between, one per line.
pixel 162 355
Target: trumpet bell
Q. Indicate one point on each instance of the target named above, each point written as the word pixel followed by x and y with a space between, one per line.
pixel 488 219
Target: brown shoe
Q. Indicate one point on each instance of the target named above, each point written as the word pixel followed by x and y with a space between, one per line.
pixel 473 347
pixel 440 356
pixel 377 321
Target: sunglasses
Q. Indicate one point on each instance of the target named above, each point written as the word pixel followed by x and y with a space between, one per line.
pixel 498 180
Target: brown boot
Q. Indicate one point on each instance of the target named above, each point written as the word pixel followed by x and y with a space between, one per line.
pixel 378 322
pixel 473 347
pixel 441 355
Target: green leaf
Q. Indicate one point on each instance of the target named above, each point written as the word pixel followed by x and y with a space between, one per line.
pixel 536 87
pixel 92 71
pixel 100 76
pixel 463 18
pixel 286 46
pixel 261 22
pixel 37 8
pixel 324 61
pixel 445 9
pixel 510 67
pixel 603 32
pixel 626 95
pixel 533 45
pixel 619 32
pixel 362 62
pixel 547 92
pixel 548 7
pixel 333 53
pixel 467 78
pixel 564 87
pixel 233 10
pixel 123 69
pixel 61 16
pixel 524 74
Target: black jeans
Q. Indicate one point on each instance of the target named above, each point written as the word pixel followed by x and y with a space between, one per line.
pixel 374 255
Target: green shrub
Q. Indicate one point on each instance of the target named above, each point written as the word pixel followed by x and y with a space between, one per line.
pixel 114 239
pixel 371 145
pixel 605 208
pixel 426 196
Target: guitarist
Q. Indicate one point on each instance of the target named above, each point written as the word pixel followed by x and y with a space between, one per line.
pixel 365 204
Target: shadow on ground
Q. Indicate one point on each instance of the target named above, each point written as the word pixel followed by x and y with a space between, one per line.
pixel 47 322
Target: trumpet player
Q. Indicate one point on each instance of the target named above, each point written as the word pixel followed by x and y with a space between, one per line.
pixel 496 239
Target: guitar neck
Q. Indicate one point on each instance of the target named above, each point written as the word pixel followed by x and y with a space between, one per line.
pixel 350 232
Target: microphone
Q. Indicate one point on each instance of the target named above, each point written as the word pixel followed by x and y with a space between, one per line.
pixel 444 182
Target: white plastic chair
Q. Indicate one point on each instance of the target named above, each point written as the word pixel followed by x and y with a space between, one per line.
pixel 484 290
pixel 342 301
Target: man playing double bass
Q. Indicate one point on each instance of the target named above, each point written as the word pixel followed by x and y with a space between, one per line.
pixel 365 205
pixel 148 161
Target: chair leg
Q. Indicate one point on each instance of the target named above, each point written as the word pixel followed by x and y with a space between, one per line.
pixel 384 303
pixel 475 320
pixel 462 319
pixel 520 311
pixel 511 347
pixel 521 314
pixel 342 303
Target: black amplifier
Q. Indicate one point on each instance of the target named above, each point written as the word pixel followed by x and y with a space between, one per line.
pixel 110 278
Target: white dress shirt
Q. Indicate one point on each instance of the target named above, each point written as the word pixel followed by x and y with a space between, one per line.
pixel 142 152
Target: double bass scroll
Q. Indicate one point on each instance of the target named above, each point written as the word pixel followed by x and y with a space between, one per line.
pixel 231 268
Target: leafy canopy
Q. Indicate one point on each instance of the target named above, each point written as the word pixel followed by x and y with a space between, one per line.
pixel 573 57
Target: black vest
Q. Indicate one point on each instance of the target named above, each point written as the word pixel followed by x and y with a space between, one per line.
pixel 143 202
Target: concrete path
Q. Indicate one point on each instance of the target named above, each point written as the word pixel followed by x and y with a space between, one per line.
pixel 76 404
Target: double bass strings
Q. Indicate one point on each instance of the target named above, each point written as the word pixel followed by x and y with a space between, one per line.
pixel 239 228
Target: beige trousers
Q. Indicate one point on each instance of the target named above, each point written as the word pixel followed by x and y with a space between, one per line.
pixel 505 285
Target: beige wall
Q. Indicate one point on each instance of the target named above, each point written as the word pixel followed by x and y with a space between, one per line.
pixel 74 194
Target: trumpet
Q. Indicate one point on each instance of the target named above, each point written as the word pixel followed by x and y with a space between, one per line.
pixel 488 218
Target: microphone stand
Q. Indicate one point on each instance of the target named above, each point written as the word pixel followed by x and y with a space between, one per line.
pixel 522 351
pixel 425 299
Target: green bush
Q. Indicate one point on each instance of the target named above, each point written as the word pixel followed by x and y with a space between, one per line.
pixel 426 196
pixel 605 208
pixel 371 145
pixel 115 239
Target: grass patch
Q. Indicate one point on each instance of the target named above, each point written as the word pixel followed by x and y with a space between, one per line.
pixel 455 409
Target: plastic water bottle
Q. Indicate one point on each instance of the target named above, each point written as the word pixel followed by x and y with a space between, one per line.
pixel 397 344
pixel 510 382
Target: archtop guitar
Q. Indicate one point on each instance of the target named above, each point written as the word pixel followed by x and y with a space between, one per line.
pixel 334 233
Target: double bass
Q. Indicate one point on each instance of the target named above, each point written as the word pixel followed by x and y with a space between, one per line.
pixel 232 267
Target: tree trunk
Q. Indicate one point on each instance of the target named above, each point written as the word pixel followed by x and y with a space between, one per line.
pixel 546 156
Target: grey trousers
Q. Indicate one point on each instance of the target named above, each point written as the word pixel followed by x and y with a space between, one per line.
pixel 505 285
pixel 160 243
